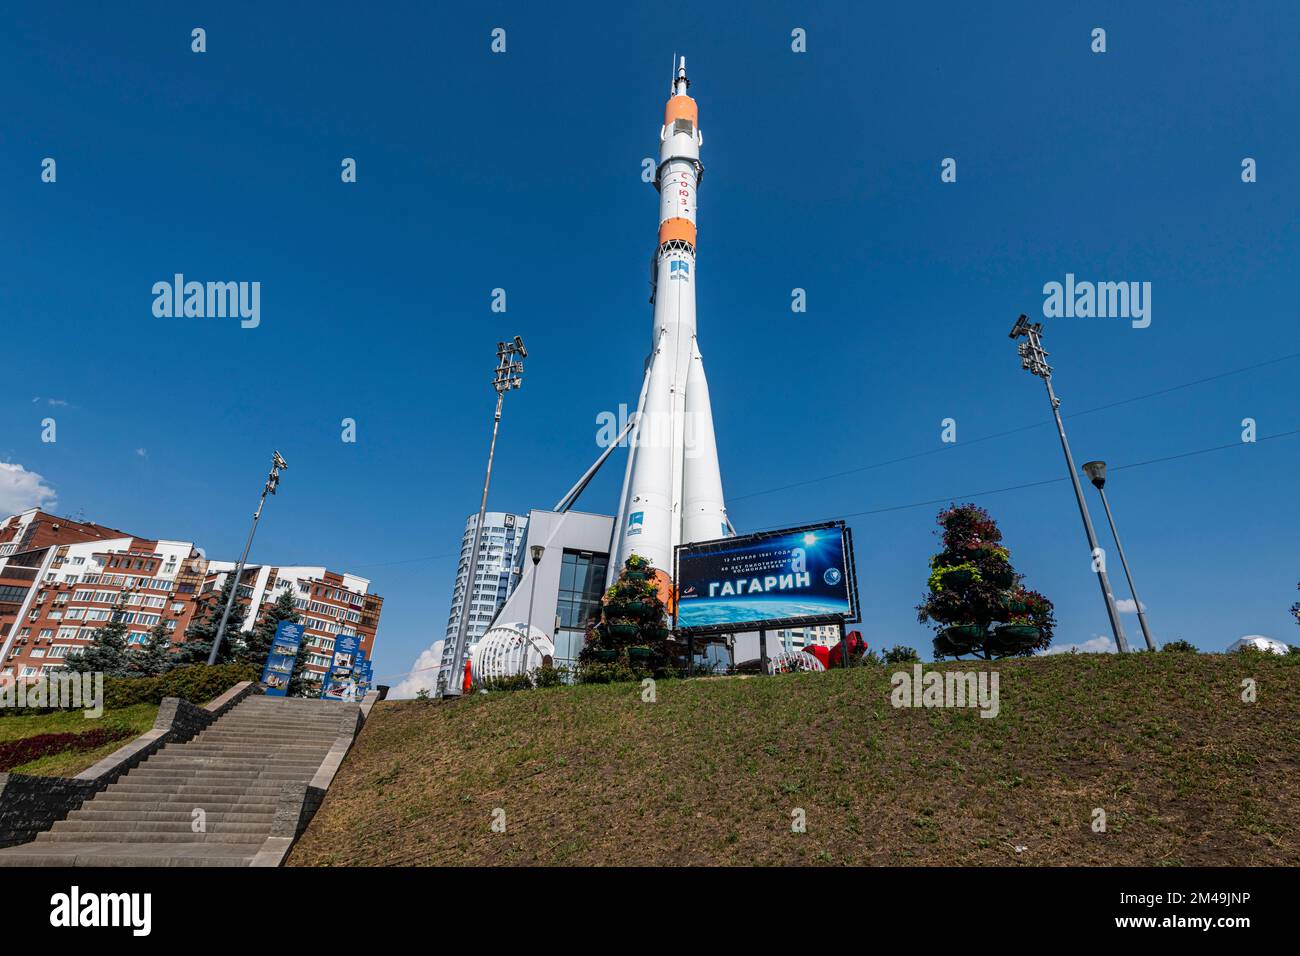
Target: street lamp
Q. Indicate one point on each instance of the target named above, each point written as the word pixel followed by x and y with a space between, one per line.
pixel 1096 472
pixel 537 551
pixel 507 375
pixel 1033 359
pixel 278 464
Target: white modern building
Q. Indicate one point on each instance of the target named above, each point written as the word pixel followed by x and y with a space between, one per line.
pixel 797 638
pixel 500 563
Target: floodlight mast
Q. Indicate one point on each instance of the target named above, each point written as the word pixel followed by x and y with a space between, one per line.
pixel 508 374
pixel 1033 358
pixel 278 464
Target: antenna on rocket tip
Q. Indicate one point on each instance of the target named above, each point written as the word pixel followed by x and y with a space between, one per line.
pixel 679 76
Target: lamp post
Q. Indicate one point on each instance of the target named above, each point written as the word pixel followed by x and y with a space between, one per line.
pixel 537 551
pixel 272 480
pixel 1033 358
pixel 1096 472
pixel 507 375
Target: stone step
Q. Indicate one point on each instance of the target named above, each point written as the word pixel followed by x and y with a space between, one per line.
pixel 92 813
pixel 156 826
pixel 231 775
pixel 51 836
pixel 198 792
pixel 132 802
pixel 306 749
pixel 231 761
pixel 98 854
pixel 274 726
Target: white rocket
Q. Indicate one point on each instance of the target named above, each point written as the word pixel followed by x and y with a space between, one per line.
pixel 672 489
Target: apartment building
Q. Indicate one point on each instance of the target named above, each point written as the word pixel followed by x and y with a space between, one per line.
pixel 61 580
pixel 330 604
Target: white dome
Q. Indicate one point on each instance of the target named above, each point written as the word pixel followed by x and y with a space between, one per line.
pixel 1259 642
pixel 508 650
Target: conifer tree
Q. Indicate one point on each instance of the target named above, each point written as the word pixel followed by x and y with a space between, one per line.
pixel 108 655
pixel 155 655
pixel 199 635
pixel 257 643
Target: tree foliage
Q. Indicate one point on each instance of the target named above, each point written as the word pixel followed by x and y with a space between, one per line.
pixel 198 637
pixel 630 640
pixel 109 653
pixel 977 602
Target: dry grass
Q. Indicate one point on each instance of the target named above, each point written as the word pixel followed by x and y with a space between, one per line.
pixel 710 774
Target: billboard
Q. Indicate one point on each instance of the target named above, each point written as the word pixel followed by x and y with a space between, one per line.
pixel 281 658
pixel 340 681
pixel 795 577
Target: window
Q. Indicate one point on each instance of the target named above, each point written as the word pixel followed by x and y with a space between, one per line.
pixel 582 582
pixel 12 594
pixel 60 650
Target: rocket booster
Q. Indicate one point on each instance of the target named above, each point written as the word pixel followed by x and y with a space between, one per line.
pixel 672 490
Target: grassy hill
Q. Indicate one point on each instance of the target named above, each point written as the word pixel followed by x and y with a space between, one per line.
pixel 1186 772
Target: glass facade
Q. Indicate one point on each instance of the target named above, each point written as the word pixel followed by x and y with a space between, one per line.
pixel 582 582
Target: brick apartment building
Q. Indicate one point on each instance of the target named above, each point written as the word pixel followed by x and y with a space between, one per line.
pixel 60 580
pixel 328 603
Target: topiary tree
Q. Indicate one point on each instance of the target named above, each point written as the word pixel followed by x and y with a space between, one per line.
pixel 977 602
pixel 630 640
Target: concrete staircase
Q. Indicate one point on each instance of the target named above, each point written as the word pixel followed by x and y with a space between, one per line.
pixel 234 771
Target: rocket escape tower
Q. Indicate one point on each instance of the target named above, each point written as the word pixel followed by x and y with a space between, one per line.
pixel 672 488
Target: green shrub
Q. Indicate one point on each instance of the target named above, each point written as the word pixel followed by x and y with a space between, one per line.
pixel 1180 647
pixel 901 654
pixel 602 673
pixel 550 676
pixel 538 677
pixel 510 682
pixel 196 683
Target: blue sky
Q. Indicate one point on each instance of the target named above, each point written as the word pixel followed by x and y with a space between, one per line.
pixel 522 171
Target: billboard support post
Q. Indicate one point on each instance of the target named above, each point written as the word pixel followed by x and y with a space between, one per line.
pixel 690 655
pixel 762 649
pixel 844 646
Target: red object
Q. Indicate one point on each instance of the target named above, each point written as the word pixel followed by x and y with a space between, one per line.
pixel 822 654
pixel 833 656
pixel 469 678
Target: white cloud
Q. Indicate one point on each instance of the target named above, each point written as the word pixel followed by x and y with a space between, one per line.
pixel 1128 606
pixel 21 489
pixel 424 674
pixel 143 453
pixel 1098 645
